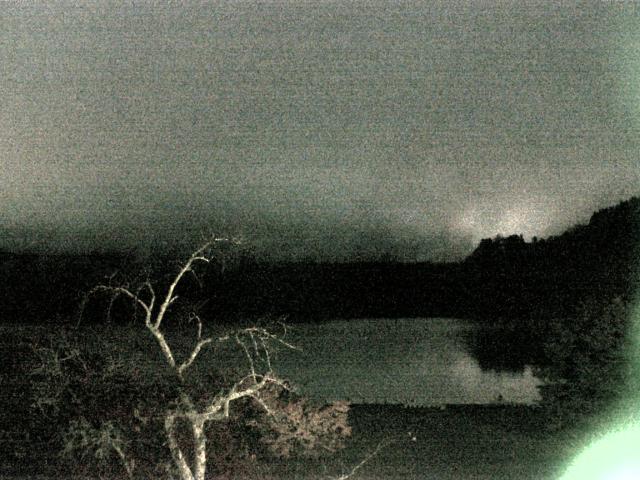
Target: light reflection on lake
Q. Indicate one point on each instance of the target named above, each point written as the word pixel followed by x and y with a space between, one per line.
pixel 409 361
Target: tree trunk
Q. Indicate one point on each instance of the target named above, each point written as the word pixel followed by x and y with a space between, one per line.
pixel 200 447
pixel 176 453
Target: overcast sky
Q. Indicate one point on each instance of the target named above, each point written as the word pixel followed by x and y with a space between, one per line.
pixel 333 130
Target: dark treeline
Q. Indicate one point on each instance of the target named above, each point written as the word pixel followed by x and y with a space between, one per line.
pixel 598 261
pixel 316 291
pixel 559 300
pixel 45 288
pixel 504 278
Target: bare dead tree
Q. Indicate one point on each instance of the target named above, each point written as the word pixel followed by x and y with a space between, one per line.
pixel 254 342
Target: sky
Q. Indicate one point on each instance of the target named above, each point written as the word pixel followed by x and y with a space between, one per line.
pixel 325 130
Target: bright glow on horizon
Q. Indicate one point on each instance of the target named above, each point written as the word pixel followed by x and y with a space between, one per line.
pixel 523 219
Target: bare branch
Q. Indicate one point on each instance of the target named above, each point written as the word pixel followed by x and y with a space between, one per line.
pixel 110 307
pixel 255 345
pixel 128 465
pixel 357 467
pixel 176 452
pixel 221 404
pixel 264 333
pixel 196 317
pixel 196 277
pixel 194 353
pixel 284 328
pixel 153 294
pixel 266 354
pixel 164 346
pixel 197 256
pixel 235 394
pixel 112 276
pixel 263 404
pixel 248 355
pixel 121 291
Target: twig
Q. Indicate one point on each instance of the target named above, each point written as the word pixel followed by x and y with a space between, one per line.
pixel 357 467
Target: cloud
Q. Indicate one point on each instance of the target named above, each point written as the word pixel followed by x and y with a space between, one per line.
pixel 327 126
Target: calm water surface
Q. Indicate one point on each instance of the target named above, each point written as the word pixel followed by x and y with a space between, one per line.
pixel 410 361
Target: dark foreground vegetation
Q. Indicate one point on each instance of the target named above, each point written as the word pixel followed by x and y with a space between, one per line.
pixel 81 397
pixel 50 417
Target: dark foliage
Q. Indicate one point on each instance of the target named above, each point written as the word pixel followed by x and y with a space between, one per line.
pixel 587 361
pixel 89 385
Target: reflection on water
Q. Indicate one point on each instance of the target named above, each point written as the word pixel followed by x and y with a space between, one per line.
pixel 410 361
pixel 482 386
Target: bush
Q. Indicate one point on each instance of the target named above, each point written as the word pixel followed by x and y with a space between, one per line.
pixel 586 364
pixel 158 394
pixel 98 408
pixel 106 414
pixel 297 427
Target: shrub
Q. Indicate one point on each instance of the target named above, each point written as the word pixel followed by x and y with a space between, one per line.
pixel 120 402
pixel 586 364
pixel 296 426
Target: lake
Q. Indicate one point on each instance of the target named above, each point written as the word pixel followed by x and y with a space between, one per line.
pixel 410 361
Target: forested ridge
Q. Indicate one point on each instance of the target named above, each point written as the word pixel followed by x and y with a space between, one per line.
pixel 504 277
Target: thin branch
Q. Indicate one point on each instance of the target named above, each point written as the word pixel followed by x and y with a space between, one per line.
pixel 196 317
pixel 284 328
pixel 222 402
pixel 153 294
pixel 195 257
pixel 110 307
pixel 266 354
pixel 197 278
pixel 262 403
pixel 164 346
pixel 129 465
pixel 235 394
pixel 248 355
pixel 362 462
pixel 264 333
pixel 255 345
pixel 119 291
pixel 194 353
